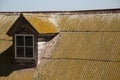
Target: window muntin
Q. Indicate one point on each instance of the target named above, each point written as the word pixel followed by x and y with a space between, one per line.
pixel 24 46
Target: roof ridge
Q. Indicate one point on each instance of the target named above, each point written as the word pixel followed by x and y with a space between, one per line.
pixel 115 10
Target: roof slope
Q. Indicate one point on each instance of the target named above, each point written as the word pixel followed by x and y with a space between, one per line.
pixel 88 45
pixel 61 69
pixel 87 49
pixel 89 22
pixel 5 23
pixel 41 25
pixel 84 56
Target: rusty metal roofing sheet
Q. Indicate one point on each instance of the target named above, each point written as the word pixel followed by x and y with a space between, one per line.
pixel 42 26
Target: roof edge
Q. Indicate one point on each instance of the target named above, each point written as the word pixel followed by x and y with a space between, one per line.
pixel 116 10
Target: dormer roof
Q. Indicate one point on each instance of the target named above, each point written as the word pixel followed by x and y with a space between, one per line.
pixel 41 25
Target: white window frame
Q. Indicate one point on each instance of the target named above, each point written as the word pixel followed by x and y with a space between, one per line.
pixel 23 46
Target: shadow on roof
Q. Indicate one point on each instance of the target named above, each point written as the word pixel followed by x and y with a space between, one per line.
pixel 7 63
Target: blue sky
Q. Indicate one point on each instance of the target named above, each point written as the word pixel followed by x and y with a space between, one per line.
pixel 57 5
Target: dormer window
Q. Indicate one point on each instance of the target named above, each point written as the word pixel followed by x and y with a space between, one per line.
pixel 24 46
pixel 27 32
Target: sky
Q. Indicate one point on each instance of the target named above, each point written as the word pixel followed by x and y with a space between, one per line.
pixel 57 5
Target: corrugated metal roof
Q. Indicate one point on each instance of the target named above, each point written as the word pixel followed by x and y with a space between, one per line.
pixel 61 69
pixel 5 23
pixel 83 56
pixel 77 55
pixel 42 26
pixel 89 22
pixel 88 45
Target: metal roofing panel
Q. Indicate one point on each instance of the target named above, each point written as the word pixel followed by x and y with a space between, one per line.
pixel 42 26
pixel 83 56
pixel 64 69
pixel 70 48
pixel 5 23
pixel 89 22
pixel 88 45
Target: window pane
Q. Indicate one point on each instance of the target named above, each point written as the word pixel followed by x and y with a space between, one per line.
pixel 28 41
pixel 19 40
pixel 29 52
pixel 20 51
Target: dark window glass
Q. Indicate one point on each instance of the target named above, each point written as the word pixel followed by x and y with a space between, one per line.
pixel 19 40
pixel 20 51
pixel 28 41
pixel 29 52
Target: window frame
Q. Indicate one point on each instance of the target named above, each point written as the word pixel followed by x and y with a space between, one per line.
pixel 15 41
